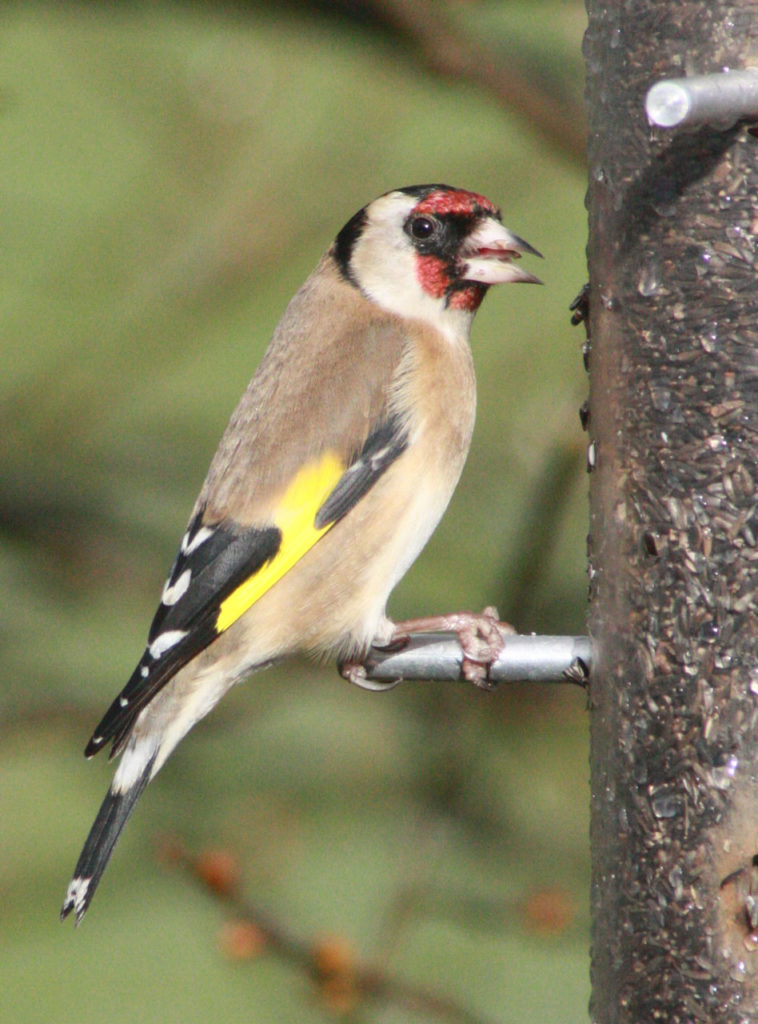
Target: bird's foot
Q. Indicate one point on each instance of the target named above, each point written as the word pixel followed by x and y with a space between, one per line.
pixel 481 636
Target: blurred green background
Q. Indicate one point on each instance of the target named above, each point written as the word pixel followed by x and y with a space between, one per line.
pixel 169 175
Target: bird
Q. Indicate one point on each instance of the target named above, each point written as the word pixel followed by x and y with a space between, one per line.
pixel 333 472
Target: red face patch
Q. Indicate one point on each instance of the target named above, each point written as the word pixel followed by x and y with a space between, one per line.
pixel 434 277
pixel 455 201
pixel 468 298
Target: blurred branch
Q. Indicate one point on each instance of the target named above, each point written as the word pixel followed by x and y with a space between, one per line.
pixel 73 534
pixel 443 47
pixel 548 911
pixel 71 717
pixel 340 979
pixel 539 532
pixel 445 50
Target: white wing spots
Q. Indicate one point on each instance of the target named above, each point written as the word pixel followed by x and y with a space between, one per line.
pixel 355 468
pixel 144 671
pixel 123 702
pixel 372 461
pixel 173 591
pixel 165 641
pixel 76 895
pixel 191 542
pixel 378 457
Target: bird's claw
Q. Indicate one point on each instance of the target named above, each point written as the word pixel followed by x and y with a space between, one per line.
pixel 355 673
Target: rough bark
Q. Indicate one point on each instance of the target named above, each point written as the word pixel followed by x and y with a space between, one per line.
pixel 674 524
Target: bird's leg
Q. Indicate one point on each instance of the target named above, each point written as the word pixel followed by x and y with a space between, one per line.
pixel 355 671
pixel 481 636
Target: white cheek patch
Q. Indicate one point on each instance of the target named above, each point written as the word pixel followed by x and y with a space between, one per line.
pixel 384 264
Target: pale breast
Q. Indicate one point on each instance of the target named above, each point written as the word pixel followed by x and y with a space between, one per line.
pixel 336 595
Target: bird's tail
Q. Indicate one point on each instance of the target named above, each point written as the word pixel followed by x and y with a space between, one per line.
pixel 93 860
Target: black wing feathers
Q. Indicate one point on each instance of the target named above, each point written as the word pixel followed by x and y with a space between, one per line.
pixel 180 630
pixel 382 447
pixel 204 558
pixel 227 558
pixel 213 561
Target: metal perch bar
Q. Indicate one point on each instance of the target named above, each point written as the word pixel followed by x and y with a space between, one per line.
pixel 720 99
pixel 528 658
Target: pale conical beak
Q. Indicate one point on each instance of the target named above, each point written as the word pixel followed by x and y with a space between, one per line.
pixel 489 252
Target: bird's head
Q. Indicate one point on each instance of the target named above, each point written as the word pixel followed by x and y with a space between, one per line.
pixel 430 252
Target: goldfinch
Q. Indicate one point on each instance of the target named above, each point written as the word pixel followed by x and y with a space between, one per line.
pixel 334 470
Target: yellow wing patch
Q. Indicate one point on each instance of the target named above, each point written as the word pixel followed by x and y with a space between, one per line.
pixel 294 516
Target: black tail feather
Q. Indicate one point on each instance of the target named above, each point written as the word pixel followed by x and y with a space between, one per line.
pixel 93 860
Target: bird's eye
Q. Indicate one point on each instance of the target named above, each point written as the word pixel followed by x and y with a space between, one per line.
pixel 422 227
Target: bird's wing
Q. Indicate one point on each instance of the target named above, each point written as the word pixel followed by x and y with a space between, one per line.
pixel 222 569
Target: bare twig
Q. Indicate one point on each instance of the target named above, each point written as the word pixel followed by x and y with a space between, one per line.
pixel 332 970
pixel 35 717
pixel 446 51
